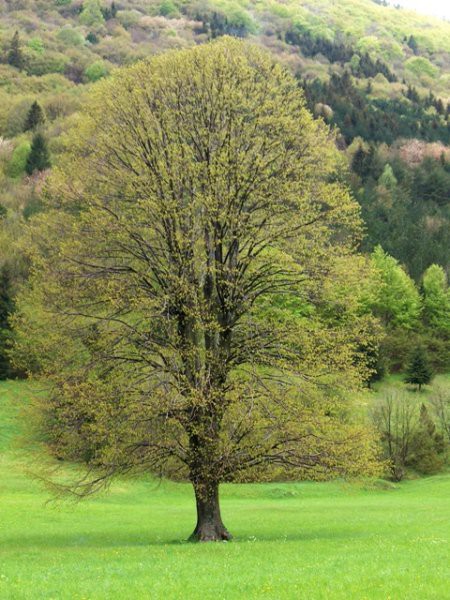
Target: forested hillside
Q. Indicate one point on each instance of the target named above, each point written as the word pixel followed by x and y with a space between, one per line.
pixel 379 75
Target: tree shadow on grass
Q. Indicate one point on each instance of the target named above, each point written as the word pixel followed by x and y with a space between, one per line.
pixel 114 540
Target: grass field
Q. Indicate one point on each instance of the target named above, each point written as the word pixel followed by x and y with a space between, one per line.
pixel 300 541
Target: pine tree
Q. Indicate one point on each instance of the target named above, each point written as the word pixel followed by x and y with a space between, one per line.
pixel 39 157
pixel 419 371
pixel 412 43
pixel 6 307
pixel 15 55
pixel 35 117
pixel 359 162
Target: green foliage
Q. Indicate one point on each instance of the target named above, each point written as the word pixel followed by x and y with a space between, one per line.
pixel 70 36
pixel 420 66
pixel 395 418
pixel 37 45
pixel 387 178
pixel 15 56
pixel 172 267
pixel 35 117
pixel 33 207
pixel 412 443
pixel 39 157
pixel 396 300
pixel 16 166
pixel 167 8
pixel 427 446
pixel 440 403
pixel 6 309
pixel 96 71
pixel 91 14
pixel 419 371
pixel 436 303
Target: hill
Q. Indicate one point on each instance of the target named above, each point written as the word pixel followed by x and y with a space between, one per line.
pixel 379 74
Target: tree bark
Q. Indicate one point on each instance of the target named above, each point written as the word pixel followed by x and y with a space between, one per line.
pixel 210 527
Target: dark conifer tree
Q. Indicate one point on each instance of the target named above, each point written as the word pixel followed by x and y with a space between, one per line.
pixel 419 371
pixel 412 43
pixel 35 117
pixel 39 157
pixel 359 161
pixel 15 55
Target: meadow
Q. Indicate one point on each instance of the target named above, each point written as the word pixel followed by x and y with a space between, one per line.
pixel 372 540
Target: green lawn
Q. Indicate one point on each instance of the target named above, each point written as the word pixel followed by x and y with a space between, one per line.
pixel 301 541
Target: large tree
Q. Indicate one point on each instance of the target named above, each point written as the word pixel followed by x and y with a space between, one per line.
pixel 177 303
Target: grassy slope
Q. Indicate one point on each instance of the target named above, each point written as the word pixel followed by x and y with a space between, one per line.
pixel 311 541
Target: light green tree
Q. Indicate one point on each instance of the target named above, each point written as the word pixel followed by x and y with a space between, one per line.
pixel 16 166
pixel 92 15
pixel 96 71
pixel 387 178
pixel 436 299
pixel 396 299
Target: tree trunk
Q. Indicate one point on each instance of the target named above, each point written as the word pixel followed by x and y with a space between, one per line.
pixel 210 527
